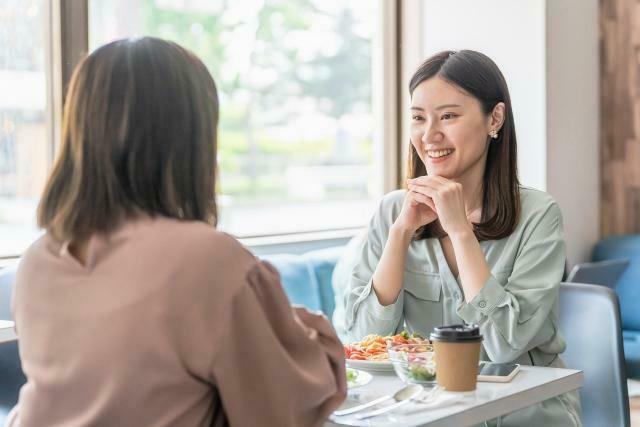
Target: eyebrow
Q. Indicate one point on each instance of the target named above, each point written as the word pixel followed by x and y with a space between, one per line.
pixel 441 107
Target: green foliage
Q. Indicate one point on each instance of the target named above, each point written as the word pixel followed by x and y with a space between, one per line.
pixel 277 79
pixel 340 82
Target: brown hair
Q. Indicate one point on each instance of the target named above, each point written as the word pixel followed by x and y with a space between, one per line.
pixel 480 77
pixel 139 136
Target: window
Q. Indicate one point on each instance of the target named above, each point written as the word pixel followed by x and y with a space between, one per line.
pixel 297 137
pixel 25 137
pixel 307 91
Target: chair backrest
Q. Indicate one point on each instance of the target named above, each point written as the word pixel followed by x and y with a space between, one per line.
pixel 298 280
pixel 306 278
pixel 7 279
pixel 605 273
pixel 617 247
pixel 590 324
pixel 11 375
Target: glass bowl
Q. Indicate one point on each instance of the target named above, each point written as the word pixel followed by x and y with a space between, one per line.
pixel 414 363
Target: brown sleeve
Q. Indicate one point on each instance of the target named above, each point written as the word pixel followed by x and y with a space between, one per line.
pixel 277 366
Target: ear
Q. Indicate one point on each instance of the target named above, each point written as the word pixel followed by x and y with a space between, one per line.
pixel 497 117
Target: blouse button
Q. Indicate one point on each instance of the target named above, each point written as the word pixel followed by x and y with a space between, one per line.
pixel 482 304
pixel 457 295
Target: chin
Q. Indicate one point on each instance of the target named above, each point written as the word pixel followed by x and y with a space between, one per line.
pixel 439 171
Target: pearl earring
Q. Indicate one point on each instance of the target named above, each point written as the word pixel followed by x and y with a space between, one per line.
pixel 493 134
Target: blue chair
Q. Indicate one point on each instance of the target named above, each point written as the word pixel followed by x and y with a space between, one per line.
pixel 306 278
pixel 604 273
pixel 628 290
pixel 11 375
pixel 323 262
pixel 590 324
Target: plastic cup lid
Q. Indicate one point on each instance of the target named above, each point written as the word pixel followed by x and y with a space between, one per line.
pixel 456 333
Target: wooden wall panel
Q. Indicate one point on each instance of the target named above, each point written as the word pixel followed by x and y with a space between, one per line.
pixel 620 116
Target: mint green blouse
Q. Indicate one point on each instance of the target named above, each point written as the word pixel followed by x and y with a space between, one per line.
pixel 517 308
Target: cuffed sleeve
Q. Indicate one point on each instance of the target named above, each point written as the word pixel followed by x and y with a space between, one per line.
pixel 516 317
pixel 485 302
pixel 267 342
pixel 368 316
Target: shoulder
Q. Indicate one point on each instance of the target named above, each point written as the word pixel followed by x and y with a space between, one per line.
pixel 383 217
pixel 193 245
pixel 531 197
pixel 199 236
pixel 393 199
pixel 390 205
pixel 40 250
pixel 538 202
pixel 197 233
pixel 538 207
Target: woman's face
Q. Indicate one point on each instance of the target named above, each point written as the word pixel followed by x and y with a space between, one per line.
pixel 449 130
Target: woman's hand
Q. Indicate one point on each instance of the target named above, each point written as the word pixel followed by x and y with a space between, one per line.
pixel 446 199
pixel 417 210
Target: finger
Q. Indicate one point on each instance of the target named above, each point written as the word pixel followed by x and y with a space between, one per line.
pixel 430 203
pixel 443 187
pixel 412 202
pixel 425 190
pixel 439 179
pixel 410 199
pixel 419 197
pixel 446 185
pixel 426 181
pixel 420 180
pixel 433 181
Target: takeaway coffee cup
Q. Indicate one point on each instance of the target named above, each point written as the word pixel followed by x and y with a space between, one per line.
pixel 457 351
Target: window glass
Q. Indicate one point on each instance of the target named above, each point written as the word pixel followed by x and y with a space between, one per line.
pixel 24 138
pixel 296 137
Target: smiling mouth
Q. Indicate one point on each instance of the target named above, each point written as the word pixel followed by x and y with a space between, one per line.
pixel 436 154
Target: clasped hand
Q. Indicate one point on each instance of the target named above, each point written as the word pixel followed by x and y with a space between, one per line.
pixel 433 197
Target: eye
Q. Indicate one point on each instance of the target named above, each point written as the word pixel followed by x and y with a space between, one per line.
pixel 416 118
pixel 448 116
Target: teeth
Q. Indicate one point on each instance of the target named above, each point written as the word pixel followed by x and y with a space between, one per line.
pixel 439 153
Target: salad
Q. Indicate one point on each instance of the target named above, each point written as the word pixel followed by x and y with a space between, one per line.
pixel 419 372
pixel 414 363
pixel 352 376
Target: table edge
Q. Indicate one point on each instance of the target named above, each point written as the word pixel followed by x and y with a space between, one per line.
pixel 478 414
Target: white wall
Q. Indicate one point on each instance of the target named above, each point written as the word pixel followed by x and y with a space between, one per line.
pixel 573 120
pixel 548 52
pixel 511 33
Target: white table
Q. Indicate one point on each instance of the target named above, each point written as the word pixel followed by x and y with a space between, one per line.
pixel 7 331
pixel 490 400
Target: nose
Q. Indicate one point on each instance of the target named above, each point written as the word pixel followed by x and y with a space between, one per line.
pixel 431 134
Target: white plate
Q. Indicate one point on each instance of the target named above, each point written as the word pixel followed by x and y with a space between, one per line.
pixel 371 365
pixel 362 379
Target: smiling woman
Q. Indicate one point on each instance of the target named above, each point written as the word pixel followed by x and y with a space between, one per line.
pixel 466 243
pixel 476 119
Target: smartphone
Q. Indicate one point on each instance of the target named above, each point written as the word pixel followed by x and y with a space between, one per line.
pixel 497 372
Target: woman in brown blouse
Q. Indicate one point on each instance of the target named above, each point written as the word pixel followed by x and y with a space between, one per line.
pixel 132 310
